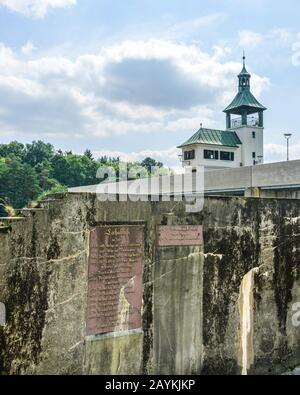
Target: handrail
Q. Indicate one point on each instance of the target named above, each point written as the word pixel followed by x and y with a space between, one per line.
pixel 251 121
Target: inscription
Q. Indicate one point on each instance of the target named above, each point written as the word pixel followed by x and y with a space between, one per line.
pixel 180 235
pixel 115 279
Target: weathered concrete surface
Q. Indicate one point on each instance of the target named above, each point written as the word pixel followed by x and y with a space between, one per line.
pixel 42 287
pixel 119 354
pixel 192 320
pixel 242 235
pixel 178 310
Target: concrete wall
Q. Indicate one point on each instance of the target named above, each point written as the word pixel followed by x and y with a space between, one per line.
pixel 195 299
pixel 251 269
pixel 269 179
pixel 274 180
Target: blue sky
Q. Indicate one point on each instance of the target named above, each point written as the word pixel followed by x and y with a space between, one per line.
pixel 137 77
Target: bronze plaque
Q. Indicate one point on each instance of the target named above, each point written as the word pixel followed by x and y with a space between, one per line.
pixel 115 279
pixel 180 235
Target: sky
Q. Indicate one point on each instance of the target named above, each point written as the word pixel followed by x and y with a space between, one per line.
pixel 135 78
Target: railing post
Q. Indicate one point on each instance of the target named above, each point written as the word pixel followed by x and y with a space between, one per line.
pixel 244 118
pixel 228 121
pixel 261 119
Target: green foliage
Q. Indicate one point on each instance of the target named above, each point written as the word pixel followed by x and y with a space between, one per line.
pixel 38 152
pixel 36 171
pixel 12 149
pixel 55 189
pixel 88 154
pixel 150 163
pixel 18 182
pixel 74 170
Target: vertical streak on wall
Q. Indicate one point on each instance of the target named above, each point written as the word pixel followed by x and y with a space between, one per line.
pixel 124 308
pixel 246 305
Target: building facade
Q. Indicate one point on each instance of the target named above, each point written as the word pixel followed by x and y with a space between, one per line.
pixel 241 144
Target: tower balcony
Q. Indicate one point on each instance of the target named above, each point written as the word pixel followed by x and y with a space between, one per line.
pixel 251 121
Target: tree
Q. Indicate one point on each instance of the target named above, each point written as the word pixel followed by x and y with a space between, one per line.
pixel 103 159
pixel 18 182
pixel 12 149
pixel 34 171
pixel 88 154
pixel 74 170
pixel 38 152
pixel 44 173
pixel 150 163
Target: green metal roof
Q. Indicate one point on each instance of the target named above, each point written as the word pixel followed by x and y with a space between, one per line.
pixel 245 99
pixel 213 137
pixel 244 72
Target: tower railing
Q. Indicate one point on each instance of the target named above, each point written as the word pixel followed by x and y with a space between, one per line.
pixel 251 121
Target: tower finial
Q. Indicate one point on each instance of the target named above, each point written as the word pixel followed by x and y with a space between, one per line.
pixel 244 58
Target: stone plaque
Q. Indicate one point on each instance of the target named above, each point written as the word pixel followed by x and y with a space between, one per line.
pixel 115 279
pixel 180 235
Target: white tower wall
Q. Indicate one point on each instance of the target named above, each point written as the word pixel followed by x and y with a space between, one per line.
pixel 251 145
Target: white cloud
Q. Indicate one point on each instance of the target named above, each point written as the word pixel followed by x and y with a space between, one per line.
pixel 28 48
pixel 35 8
pixel 221 52
pixel 152 86
pixel 277 37
pixel 250 39
pixel 278 152
pixel 7 58
pixel 190 26
pixel 281 36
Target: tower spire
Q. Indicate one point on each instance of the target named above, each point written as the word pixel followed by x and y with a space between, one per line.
pixel 244 76
pixel 244 103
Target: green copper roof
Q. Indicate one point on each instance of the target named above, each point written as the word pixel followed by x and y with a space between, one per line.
pixel 244 71
pixel 245 99
pixel 213 137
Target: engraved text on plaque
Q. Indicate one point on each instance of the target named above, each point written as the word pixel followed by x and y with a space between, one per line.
pixel 180 235
pixel 115 279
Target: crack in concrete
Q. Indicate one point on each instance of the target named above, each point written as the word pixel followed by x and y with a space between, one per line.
pixel 64 302
pixel 76 345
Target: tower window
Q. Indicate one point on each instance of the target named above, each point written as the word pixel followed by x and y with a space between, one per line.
pixel 209 154
pixel 189 155
pixel 254 135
